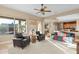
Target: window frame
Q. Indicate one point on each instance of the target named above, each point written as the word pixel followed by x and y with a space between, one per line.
pixel 14 19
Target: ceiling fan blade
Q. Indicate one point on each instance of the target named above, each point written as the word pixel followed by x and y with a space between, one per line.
pixel 37 9
pixel 43 9
pixel 47 11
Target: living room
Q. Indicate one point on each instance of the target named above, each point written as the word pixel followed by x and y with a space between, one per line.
pixel 21 19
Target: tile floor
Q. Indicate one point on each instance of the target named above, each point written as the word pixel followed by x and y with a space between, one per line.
pixel 43 47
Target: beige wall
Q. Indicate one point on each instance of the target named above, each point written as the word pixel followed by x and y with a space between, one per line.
pixel 51 21
pixel 32 24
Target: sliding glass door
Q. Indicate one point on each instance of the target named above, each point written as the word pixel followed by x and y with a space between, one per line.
pixel 6 26
pixel 11 26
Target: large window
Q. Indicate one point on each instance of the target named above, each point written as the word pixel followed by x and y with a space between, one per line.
pixel 11 26
pixel 6 26
pixel 23 26
pixel 20 26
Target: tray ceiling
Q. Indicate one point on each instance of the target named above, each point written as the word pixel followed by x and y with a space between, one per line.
pixel 55 8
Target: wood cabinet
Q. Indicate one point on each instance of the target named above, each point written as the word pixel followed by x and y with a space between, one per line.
pixel 69 25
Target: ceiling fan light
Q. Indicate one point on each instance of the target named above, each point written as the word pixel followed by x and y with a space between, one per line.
pixel 43 10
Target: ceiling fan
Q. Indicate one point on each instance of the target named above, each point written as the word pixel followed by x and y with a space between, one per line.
pixel 43 9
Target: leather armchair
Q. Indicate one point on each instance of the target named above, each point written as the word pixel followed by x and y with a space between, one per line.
pixel 21 41
pixel 40 37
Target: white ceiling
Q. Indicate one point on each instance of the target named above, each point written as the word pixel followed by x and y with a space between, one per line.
pixel 29 8
pixel 69 18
